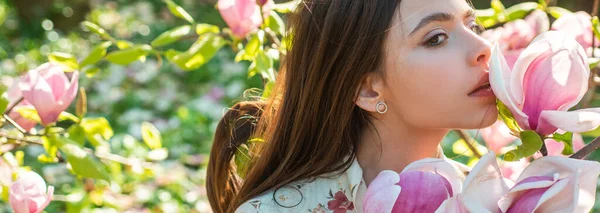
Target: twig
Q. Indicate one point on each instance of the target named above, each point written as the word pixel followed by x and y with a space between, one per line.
pixel 12 122
pixel 587 149
pixel 544 150
pixel 104 155
pixel 13 106
pixel 467 139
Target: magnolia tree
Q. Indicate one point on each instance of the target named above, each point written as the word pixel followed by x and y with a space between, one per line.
pixel 46 107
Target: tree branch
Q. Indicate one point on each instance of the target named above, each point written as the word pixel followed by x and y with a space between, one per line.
pixel 587 149
pixel 467 139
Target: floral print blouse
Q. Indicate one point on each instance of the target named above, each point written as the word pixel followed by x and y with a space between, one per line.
pixel 340 194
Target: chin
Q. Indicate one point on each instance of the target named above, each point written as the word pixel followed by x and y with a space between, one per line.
pixel 489 118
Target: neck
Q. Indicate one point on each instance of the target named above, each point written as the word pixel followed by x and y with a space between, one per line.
pixel 385 148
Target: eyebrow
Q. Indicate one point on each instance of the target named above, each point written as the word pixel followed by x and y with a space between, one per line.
pixel 439 17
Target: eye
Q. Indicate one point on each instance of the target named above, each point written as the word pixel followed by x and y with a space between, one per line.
pixel 436 40
pixel 476 27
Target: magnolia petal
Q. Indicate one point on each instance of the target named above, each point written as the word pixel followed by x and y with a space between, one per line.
pixel 421 191
pixel 572 121
pixel 382 192
pixel 552 40
pixel 560 197
pixel 55 77
pixel 385 178
pixel 500 79
pixel 71 93
pixel 18 202
pixel 532 187
pixel 586 173
pixel 47 200
pixel 441 167
pixel 452 205
pixel 538 20
pixel 37 92
pixel 484 186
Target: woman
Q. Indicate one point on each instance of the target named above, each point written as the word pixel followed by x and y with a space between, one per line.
pixel 367 85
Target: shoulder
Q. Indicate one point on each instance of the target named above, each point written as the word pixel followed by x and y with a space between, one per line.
pixel 319 195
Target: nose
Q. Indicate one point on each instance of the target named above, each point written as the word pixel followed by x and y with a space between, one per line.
pixel 481 51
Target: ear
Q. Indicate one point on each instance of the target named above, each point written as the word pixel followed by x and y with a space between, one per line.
pixel 370 92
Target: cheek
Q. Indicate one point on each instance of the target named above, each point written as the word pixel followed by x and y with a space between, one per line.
pixel 431 91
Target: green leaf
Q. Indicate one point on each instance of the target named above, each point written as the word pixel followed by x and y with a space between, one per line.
pixel 506 115
pixel 82 163
pixel 567 139
pixel 68 116
pixel 68 61
pixel 3 99
pixel 29 113
pixel 519 11
pixel 275 23
pixel 151 136
pixel 593 62
pixel 242 56
pixel 199 53
pixel 593 133
pixel 268 89
pixel 126 56
pixel 557 12
pixel 486 17
pixel 171 36
pixel 206 28
pixel 178 11
pixel 90 72
pixel 596 27
pixel 255 44
pixel 287 7
pixel 532 142
pixel 123 44
pixel 77 134
pixel 263 65
pixel 51 150
pixel 81 106
pixel 242 160
pixel 96 29
pixel 97 130
pixel 543 3
pixel 97 53
pixel 497 6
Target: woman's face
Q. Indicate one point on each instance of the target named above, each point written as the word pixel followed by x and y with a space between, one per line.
pixel 434 62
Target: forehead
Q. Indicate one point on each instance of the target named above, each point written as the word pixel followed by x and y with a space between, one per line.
pixel 412 11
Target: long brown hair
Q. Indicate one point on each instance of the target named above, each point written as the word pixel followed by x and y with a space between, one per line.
pixel 311 124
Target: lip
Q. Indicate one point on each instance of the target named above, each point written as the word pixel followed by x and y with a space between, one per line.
pixel 484 79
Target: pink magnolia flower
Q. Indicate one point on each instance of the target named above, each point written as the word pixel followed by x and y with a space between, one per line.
pixel 549 77
pixel 422 186
pixel 554 184
pixel 49 91
pixel 13 95
pixel 243 16
pixel 578 25
pixel 512 169
pixel 6 172
pixel 497 136
pixel 482 189
pixel 516 35
pixel 29 194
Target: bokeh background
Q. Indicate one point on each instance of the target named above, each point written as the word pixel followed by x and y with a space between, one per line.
pixel 185 106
